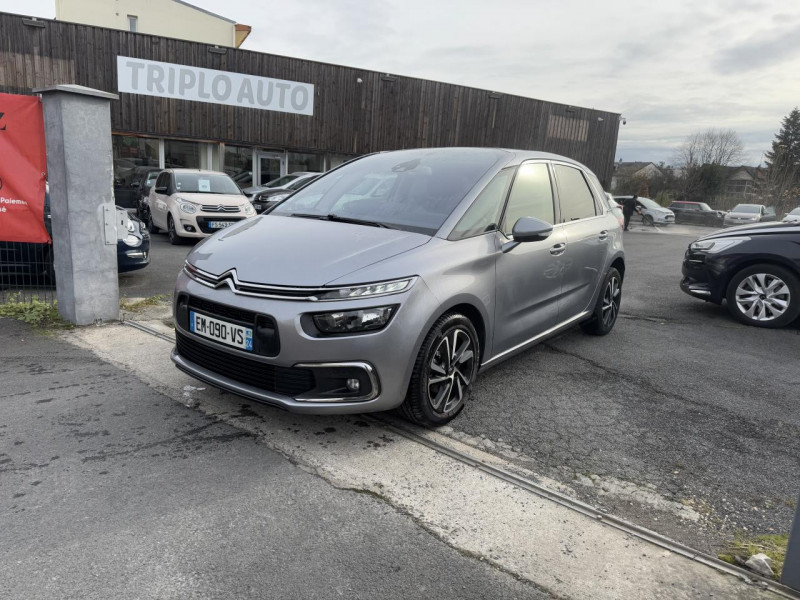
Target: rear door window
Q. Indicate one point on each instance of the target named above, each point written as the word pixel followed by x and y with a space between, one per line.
pixel 574 196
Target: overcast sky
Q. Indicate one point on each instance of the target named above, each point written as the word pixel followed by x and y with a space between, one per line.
pixel 671 68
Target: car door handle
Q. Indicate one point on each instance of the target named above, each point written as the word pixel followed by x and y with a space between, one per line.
pixel 603 235
pixel 558 249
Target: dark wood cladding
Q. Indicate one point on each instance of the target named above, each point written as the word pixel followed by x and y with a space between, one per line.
pixel 379 113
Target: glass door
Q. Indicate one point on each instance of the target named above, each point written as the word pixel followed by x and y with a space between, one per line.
pixel 269 166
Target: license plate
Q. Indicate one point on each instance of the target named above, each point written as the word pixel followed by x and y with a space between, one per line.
pixel 220 331
pixel 220 224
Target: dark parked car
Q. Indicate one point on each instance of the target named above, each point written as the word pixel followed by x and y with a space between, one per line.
pixel 392 280
pixel 697 213
pixel 267 199
pixel 35 261
pixel 142 206
pixel 754 268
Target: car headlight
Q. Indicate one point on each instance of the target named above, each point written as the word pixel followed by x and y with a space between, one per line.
pixel 354 321
pixel 248 209
pixel 187 207
pixel 714 246
pixel 132 241
pixel 372 289
pixel 131 228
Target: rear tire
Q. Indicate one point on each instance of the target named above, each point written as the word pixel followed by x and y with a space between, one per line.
pixel 606 309
pixel 151 227
pixel 445 369
pixel 764 295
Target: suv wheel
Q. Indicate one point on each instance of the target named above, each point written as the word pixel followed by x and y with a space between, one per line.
pixel 607 308
pixel 174 238
pixel 446 367
pixel 764 296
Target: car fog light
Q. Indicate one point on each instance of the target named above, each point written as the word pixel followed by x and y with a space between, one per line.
pixel 353 385
pixel 354 321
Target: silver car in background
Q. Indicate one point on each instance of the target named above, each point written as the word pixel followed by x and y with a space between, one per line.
pixel 747 214
pixel 393 279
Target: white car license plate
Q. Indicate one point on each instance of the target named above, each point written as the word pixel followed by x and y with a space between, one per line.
pixel 220 224
pixel 227 333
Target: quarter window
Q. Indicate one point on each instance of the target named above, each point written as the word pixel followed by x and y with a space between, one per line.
pixel 483 214
pixel 575 197
pixel 531 196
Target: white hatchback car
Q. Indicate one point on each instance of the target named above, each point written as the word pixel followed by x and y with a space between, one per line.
pixel 190 203
pixel 652 213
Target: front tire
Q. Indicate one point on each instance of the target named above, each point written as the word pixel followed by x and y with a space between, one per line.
pixel 606 309
pixel 174 238
pixel 648 220
pixel 151 226
pixel 764 296
pixel 445 369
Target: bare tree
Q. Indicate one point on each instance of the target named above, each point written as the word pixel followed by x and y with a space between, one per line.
pixel 702 158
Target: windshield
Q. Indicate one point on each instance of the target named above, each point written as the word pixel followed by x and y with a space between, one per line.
pixel 704 206
pixel 205 183
pixel 746 208
pixel 647 203
pixel 796 211
pixel 151 177
pixel 413 190
pixel 300 183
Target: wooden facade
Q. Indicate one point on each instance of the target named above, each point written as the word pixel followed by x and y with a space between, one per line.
pixel 355 111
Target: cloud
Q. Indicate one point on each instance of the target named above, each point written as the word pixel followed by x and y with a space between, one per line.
pixel 763 50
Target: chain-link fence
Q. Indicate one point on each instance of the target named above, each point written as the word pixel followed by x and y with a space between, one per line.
pixel 26 272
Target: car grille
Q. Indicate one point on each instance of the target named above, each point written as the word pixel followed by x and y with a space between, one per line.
pixel 287 381
pixel 203 223
pixel 219 208
pixel 222 311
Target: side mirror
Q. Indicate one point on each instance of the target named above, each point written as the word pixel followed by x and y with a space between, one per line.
pixel 528 229
pixel 162 189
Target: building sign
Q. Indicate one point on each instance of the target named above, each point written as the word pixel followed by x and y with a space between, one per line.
pixel 23 166
pixel 167 80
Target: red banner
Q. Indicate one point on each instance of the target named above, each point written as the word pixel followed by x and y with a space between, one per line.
pixel 23 167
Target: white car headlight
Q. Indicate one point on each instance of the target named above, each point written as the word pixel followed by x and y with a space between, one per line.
pixel 187 207
pixel 248 209
pixel 372 289
pixel 714 246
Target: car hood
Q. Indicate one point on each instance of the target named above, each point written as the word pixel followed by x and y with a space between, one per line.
pixel 755 229
pixel 293 251
pixel 213 199
pixel 739 215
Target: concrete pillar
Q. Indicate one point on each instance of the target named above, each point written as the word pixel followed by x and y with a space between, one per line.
pixel 791 566
pixel 77 125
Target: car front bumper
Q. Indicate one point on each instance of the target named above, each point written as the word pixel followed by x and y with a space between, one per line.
pixel 382 360
pixel 704 276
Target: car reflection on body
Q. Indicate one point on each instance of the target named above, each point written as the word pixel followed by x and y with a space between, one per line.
pixel 393 279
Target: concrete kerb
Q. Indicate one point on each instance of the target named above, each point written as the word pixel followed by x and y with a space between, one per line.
pixel 557 549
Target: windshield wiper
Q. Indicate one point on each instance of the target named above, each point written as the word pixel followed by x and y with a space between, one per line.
pixel 341 219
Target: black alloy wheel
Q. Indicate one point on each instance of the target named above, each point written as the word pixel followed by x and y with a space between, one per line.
pixel 606 309
pixel 151 227
pixel 444 372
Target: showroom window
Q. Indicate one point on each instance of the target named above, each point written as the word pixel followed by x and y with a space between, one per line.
pixel 238 163
pixel 134 158
pixel 179 154
pixel 305 162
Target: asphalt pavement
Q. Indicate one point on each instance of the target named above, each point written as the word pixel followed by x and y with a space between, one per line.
pixel 109 489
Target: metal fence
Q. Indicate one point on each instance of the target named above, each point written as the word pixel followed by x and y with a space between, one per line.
pixel 26 272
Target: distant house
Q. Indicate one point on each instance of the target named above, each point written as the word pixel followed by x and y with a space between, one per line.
pixel 741 183
pixel 625 171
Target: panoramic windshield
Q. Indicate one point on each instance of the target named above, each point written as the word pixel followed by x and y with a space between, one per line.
pixel 647 203
pixel 205 183
pixel 746 208
pixel 796 211
pixel 414 190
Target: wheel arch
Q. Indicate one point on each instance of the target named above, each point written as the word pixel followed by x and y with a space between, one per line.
pixel 752 261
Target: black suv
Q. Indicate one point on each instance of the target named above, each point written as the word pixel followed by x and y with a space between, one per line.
pixel 698 213
pixel 755 268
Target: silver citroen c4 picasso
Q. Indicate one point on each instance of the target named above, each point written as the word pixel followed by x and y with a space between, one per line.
pixel 394 279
